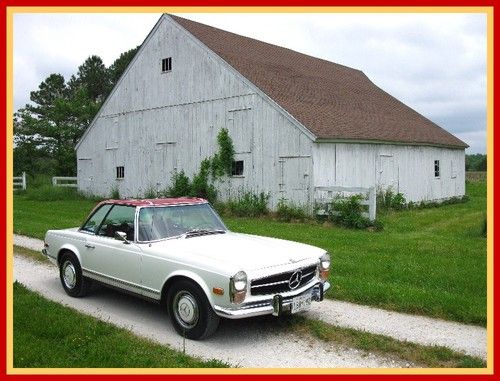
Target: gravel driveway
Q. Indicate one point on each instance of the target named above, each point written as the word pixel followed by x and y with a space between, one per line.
pixel 471 340
pixel 248 343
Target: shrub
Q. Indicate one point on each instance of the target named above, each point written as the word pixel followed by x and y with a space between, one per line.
pixel 398 202
pixel 248 205
pixel 115 193
pixel 389 200
pixel 181 185
pixel 348 212
pixel 288 212
pixel 200 186
pixel 150 192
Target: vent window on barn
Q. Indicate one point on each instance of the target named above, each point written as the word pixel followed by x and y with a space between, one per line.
pixel 166 65
pixel 437 172
pixel 237 168
pixel 120 172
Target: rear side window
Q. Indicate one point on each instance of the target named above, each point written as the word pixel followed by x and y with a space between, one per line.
pixel 121 218
pixel 95 219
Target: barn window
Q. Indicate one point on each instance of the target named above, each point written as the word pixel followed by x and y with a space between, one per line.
pixel 166 64
pixel 437 172
pixel 237 168
pixel 120 172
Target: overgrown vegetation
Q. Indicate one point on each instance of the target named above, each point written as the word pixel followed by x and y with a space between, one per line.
pixel 61 337
pixel 348 212
pixel 246 205
pixel 211 169
pixel 389 200
pixel 115 193
pixel 181 185
pixel 150 192
pixel 289 212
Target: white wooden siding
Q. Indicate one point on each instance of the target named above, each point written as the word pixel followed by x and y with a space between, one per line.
pixel 405 169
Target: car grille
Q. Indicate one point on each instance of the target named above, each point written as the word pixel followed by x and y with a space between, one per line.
pixel 279 283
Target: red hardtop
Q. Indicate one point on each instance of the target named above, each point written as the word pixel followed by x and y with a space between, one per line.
pixel 156 201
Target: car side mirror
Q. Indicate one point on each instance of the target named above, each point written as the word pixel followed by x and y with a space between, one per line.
pixel 121 236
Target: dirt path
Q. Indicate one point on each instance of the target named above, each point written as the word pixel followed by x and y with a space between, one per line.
pixel 468 339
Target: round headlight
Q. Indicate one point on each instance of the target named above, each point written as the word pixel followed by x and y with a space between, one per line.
pixel 324 261
pixel 240 281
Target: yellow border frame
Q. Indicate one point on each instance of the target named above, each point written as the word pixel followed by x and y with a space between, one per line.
pixel 9 123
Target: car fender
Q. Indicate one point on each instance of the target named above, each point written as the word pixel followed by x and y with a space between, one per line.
pixel 72 248
pixel 195 278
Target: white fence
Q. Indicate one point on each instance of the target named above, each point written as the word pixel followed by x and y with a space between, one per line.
pixel 61 181
pixel 20 182
pixel 323 197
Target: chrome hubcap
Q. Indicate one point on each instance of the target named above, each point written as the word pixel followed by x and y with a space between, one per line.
pixel 186 309
pixel 69 274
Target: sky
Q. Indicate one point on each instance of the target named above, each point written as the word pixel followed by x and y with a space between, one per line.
pixel 434 63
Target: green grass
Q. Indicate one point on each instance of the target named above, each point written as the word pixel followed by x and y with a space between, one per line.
pixel 425 261
pixel 49 335
pixel 428 261
pixel 418 355
pixel 31 254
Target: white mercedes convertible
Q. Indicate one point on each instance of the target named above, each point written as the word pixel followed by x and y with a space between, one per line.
pixel 178 252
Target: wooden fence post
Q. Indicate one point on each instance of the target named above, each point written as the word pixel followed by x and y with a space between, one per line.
pixel 372 198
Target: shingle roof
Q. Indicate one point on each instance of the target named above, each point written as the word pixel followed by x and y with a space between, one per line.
pixel 330 100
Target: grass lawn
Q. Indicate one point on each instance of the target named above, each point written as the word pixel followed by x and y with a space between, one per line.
pixel 60 337
pixel 429 261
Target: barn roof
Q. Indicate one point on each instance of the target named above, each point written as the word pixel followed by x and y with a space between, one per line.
pixel 331 100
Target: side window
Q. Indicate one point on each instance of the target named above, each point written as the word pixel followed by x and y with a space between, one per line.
pixel 95 219
pixel 437 170
pixel 121 218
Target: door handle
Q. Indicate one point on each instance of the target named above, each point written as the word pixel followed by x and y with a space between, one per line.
pixel 89 246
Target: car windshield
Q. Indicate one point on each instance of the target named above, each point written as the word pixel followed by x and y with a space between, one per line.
pixel 157 223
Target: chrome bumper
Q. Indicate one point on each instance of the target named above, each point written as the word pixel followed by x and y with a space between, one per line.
pixel 275 305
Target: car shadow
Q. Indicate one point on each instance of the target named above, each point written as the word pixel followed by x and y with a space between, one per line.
pixel 229 329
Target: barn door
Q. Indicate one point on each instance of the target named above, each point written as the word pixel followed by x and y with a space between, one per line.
pixel 388 173
pixel 294 180
pixel 85 175
pixel 164 165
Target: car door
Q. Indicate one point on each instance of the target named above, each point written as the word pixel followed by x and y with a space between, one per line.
pixel 111 260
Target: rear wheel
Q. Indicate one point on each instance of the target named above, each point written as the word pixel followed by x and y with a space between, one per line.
pixel 70 273
pixel 190 312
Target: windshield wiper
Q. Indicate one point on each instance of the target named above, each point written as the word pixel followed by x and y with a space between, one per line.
pixel 199 232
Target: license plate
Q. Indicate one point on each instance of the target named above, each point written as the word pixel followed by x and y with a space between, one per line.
pixel 301 303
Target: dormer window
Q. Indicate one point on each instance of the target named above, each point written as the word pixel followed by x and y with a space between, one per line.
pixel 166 65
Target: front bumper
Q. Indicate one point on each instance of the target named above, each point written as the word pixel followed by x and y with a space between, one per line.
pixel 276 304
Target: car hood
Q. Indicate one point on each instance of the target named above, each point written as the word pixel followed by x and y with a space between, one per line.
pixel 242 251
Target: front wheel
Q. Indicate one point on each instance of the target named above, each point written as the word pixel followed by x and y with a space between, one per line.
pixel 70 272
pixel 190 312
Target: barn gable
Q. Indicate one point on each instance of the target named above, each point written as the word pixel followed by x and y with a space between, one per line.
pixel 164 115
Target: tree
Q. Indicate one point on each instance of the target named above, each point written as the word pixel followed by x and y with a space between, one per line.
pixel 50 127
pixel 118 67
pixel 93 77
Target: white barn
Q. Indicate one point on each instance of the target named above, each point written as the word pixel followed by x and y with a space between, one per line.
pixel 297 123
